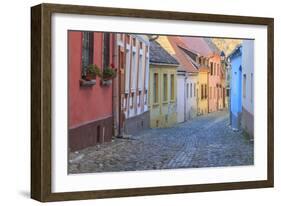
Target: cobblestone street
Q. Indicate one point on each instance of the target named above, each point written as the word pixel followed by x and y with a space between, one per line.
pixel 206 141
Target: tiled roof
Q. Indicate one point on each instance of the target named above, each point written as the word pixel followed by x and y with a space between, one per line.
pixel 198 45
pixel 185 60
pixel 159 55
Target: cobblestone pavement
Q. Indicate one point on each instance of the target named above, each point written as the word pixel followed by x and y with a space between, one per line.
pixel 206 141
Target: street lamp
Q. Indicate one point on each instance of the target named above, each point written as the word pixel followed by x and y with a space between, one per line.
pixel 222 56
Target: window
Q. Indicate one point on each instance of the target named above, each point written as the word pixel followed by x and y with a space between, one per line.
pixel 205 91
pixel 172 87
pixel 132 99
pixel 194 89
pixel 191 90
pixel 165 87
pixel 125 102
pixel 187 90
pixel 212 67
pixel 210 92
pixel 127 38
pixel 202 92
pixel 134 71
pixel 140 72
pixel 106 49
pixel 252 87
pixel 215 69
pixel 155 88
pixel 134 42
pixel 127 71
pixel 227 92
pixel 244 85
pixel 139 98
pixel 87 51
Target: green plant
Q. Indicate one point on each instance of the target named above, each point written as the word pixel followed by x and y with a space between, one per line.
pixel 109 72
pixel 93 71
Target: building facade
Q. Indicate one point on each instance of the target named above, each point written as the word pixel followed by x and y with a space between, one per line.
pixel 236 87
pixel 247 119
pixel 187 76
pixel 131 90
pixel 202 90
pixel 217 93
pixel 162 87
pixel 90 101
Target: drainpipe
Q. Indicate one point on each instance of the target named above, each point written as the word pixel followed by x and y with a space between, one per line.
pixel 185 97
pixel 208 74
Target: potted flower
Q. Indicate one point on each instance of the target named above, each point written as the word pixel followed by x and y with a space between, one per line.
pixel 92 72
pixel 89 77
pixel 108 74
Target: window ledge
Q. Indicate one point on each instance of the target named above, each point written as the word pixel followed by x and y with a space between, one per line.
pixel 106 82
pixel 87 83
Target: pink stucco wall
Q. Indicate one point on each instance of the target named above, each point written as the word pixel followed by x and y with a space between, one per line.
pixel 86 104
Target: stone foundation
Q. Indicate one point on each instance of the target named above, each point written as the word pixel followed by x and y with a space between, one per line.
pixel 90 134
pixel 247 122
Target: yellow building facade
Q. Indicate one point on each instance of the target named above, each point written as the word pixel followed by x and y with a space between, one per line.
pixel 202 92
pixel 162 87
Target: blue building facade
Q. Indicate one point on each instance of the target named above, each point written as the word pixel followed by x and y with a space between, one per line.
pixel 236 87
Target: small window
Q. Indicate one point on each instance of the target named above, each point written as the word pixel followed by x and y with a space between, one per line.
pixel 202 92
pixel 244 85
pixel 215 69
pixel 155 88
pixel 106 49
pixel 132 99
pixel 210 92
pixel 172 87
pixel 87 51
pixel 127 38
pixel 165 87
pixel 194 89
pixel 190 90
pixel 206 91
pixel 139 98
pixel 134 42
pixel 187 90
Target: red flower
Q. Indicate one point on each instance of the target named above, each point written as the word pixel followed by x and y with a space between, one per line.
pixel 112 65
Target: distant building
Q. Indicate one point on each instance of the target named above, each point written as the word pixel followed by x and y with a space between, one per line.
pixel 187 77
pixel 217 91
pixel 247 120
pixel 90 100
pixel 162 87
pixel 211 84
pixel 236 87
pixel 131 115
pixel 226 71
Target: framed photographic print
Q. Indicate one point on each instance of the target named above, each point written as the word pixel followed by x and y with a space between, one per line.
pixel 130 102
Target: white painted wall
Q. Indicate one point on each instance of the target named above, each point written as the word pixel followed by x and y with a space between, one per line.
pixel 191 103
pixel 181 96
pixel 248 70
